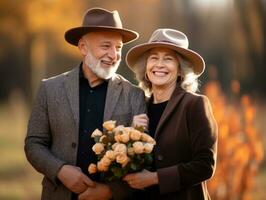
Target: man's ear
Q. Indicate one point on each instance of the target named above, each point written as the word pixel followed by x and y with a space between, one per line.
pixel 82 45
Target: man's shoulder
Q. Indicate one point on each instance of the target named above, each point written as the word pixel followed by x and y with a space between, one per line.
pixel 58 78
pixel 126 83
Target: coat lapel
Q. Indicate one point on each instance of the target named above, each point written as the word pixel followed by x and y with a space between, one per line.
pixel 175 99
pixel 113 92
pixel 72 90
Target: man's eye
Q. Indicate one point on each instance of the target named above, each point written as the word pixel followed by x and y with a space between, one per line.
pixel 118 48
pixel 106 46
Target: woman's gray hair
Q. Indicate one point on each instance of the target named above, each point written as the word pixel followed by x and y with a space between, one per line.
pixel 189 80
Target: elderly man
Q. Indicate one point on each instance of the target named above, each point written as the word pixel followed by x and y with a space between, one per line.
pixel 72 105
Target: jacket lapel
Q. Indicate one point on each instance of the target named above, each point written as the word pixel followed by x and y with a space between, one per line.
pixel 113 92
pixel 72 89
pixel 175 99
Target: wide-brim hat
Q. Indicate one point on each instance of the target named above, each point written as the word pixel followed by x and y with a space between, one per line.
pixel 98 19
pixel 171 39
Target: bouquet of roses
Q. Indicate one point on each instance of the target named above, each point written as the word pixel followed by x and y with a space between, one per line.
pixel 121 150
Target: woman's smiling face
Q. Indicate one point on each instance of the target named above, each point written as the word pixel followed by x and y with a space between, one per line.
pixel 162 67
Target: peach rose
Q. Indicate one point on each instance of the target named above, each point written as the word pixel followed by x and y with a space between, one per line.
pixel 106 161
pixel 146 138
pixel 110 154
pixel 124 137
pixel 120 148
pixel 138 147
pixel 98 148
pixel 109 125
pixel 151 140
pixel 128 129
pixel 101 167
pixel 135 135
pixel 118 129
pixel 122 159
pixel 114 145
pixel 96 132
pixel 148 147
pixel 118 138
pixel 92 168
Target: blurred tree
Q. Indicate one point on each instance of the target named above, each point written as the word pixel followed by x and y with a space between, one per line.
pixel 47 21
pixel 251 56
pixel 14 57
pixel 32 33
pixel 240 149
pixel 228 34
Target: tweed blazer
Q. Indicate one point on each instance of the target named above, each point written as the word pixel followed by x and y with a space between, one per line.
pixel 185 153
pixel 53 128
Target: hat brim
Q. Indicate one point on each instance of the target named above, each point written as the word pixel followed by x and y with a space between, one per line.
pixel 73 35
pixel 134 54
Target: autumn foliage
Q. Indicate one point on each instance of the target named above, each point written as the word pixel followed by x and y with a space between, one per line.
pixel 240 149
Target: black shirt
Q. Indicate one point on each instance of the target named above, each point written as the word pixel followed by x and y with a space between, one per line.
pixel 91 111
pixel 155 112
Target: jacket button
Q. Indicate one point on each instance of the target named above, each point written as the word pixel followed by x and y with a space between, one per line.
pixel 160 157
pixel 74 145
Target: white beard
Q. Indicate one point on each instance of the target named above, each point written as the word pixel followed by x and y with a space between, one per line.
pixel 95 66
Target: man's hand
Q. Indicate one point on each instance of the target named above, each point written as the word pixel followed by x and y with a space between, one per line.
pixel 73 178
pixel 99 192
pixel 143 179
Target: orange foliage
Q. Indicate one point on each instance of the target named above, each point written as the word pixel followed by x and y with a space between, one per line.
pixel 240 149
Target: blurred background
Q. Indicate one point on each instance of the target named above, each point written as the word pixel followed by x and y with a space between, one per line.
pixel 229 34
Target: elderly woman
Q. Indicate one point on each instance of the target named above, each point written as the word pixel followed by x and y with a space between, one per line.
pixel 180 120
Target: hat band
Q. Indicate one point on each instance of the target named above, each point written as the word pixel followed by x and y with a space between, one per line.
pixel 167 41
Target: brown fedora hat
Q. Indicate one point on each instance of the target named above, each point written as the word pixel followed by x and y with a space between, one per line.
pixel 98 19
pixel 171 39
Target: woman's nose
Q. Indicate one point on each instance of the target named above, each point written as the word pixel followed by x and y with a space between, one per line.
pixel 160 63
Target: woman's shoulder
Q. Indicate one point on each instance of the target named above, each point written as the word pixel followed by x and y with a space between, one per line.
pixel 196 98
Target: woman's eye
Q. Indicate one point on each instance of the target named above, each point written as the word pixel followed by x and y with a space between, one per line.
pixel 153 57
pixel 168 58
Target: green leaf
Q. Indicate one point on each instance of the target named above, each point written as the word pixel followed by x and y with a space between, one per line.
pixel 105 140
pixel 148 159
pixel 110 137
pixel 129 144
pixel 97 139
pixel 117 172
pixel 133 166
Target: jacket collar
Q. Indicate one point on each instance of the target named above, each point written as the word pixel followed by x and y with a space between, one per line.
pixel 113 93
pixel 71 83
pixel 175 99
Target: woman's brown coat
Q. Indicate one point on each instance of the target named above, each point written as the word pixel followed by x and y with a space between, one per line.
pixel 185 153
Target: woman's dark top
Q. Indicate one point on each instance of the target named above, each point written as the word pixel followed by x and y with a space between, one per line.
pixel 155 111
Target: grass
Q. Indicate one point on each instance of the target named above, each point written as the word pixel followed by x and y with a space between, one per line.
pixel 18 180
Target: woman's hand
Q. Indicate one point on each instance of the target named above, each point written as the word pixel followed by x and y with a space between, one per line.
pixel 141 179
pixel 140 120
